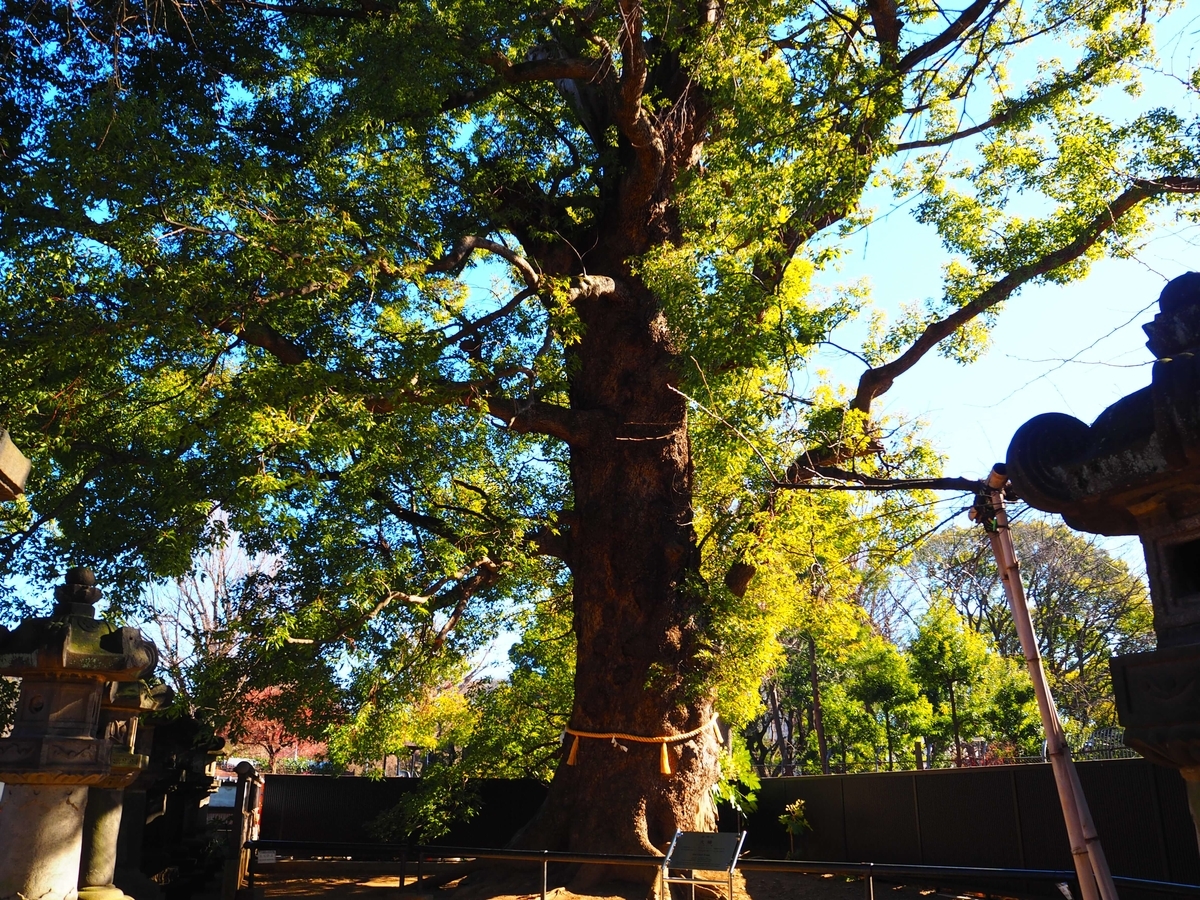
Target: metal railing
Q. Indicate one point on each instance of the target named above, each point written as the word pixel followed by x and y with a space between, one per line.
pixel 798 770
pixel 421 854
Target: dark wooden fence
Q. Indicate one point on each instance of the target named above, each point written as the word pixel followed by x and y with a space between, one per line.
pixel 1001 816
pixel 340 810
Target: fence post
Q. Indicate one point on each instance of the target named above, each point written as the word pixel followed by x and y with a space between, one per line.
pixel 544 858
pixel 870 881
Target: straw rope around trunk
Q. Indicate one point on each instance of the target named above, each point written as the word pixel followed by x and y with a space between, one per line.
pixel 664 759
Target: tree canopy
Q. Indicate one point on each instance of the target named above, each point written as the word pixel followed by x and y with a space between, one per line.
pixel 454 306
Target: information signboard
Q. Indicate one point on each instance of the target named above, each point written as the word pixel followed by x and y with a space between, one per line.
pixel 697 852
pixel 701 850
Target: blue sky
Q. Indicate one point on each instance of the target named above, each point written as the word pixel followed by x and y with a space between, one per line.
pixel 1073 349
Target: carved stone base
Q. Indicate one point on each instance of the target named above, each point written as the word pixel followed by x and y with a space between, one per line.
pixel 41 832
pixel 1158 703
pixel 102 892
pixel 21 757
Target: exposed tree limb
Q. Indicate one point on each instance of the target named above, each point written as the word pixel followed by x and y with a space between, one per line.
pixel 555 542
pixel 48 217
pixel 855 481
pixel 637 186
pixel 877 381
pixel 540 417
pixel 432 524
pixel 454 261
pixel 957 28
pixel 484 321
pixel 1013 108
pixel 886 21
pixel 549 69
pixel 284 349
pixel 633 54
pixel 486 574
pixel 958 135
pixel 522 416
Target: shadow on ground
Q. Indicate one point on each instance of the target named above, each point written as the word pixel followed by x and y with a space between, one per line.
pixel 343 880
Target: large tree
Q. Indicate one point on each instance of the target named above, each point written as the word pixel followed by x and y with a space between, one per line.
pixel 417 294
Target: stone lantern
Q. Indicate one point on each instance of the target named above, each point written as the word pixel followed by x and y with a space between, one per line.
pixel 54 751
pixel 1136 470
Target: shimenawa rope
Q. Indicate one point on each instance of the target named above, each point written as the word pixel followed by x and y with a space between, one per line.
pixel 664 759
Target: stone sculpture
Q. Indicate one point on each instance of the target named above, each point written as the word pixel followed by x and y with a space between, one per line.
pixel 1136 470
pixel 55 751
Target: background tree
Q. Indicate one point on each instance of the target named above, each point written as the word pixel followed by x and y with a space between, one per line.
pixel 1087 606
pixel 265 726
pixel 10 689
pixel 241 271
pixel 817 555
pixel 511 728
pixel 949 661
pixel 1011 716
pixel 880 680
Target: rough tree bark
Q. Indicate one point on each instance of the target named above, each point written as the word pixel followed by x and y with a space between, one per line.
pixel 636 622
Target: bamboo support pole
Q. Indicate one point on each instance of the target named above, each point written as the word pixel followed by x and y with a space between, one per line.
pixel 1091 866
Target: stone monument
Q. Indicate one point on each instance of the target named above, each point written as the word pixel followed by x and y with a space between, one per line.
pixel 1136 470
pixel 54 752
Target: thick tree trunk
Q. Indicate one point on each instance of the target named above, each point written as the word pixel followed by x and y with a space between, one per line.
pixel 637 613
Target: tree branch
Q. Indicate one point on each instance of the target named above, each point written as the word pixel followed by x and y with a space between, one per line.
pixel 877 381
pixel 471 328
pixel 552 542
pixel 958 135
pixel 855 481
pixel 454 261
pixel 965 20
pixel 634 122
pixel 550 69
pixel 887 25
pixel 540 417
pixel 568 69
pixel 266 337
pixel 486 574
pixel 520 416
pixel 432 524
pixel 367 8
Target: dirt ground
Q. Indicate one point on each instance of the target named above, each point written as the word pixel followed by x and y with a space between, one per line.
pixel 344 880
